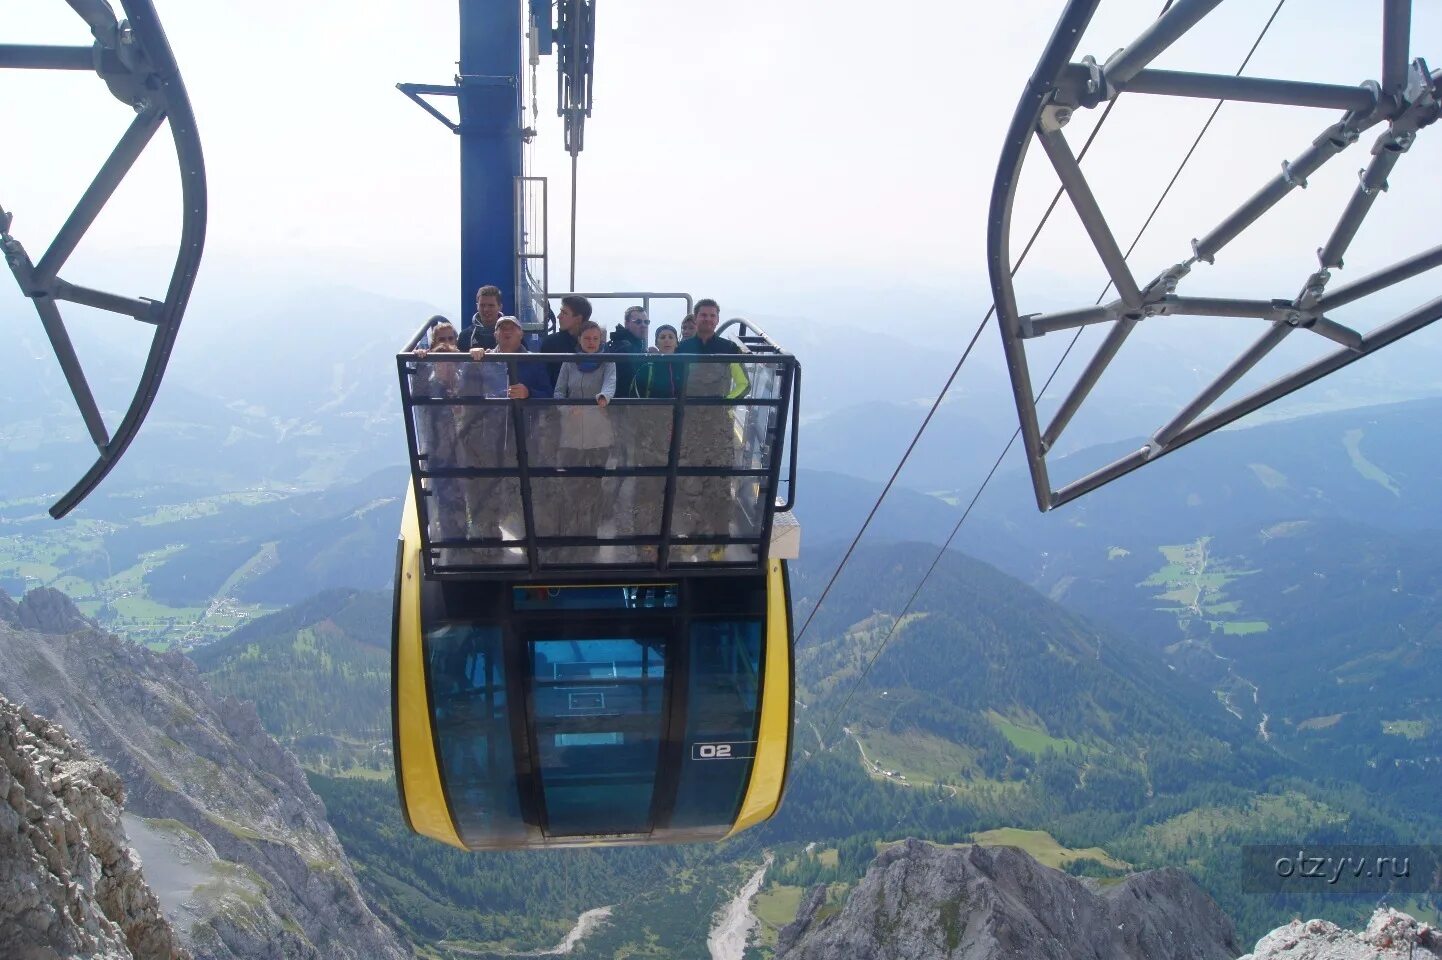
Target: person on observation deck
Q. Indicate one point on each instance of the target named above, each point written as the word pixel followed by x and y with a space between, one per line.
pixel 440 330
pixel 659 380
pixel 704 503
pixel 586 437
pixel 530 378
pixel 483 324
pixel 487 433
pixel 574 311
pixel 629 337
pixel 627 340
pixel 440 436
pixel 651 435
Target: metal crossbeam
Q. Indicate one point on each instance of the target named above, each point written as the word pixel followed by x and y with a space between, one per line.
pixel 1404 101
pixel 134 59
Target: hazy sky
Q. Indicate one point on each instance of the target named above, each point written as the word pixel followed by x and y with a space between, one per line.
pixel 812 138
pixel 812 158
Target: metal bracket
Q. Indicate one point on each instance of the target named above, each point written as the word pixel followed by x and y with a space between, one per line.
pixel 414 91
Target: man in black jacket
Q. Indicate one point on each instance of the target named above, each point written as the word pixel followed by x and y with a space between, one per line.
pixel 629 337
pixel 482 331
pixel 574 311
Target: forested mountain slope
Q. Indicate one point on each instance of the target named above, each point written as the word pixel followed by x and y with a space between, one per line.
pixel 319 676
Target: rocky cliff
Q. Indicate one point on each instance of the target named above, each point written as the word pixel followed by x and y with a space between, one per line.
pixel 69 883
pixel 921 902
pixel 1390 935
pixel 234 841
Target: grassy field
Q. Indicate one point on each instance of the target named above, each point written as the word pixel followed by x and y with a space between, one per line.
pixel 1288 814
pixel 922 758
pixel 1045 849
pixel 1411 729
pixel 1031 739
pixel 777 906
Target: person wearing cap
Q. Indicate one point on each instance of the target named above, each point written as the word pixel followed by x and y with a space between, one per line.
pixel 529 379
pixel 488 435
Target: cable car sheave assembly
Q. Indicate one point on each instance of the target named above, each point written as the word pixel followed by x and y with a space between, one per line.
pixel 1403 102
pixel 134 59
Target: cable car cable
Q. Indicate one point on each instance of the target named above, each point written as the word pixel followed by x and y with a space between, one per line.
pixel 991 311
pixel 573 221
pixel 1055 370
pixel 936 405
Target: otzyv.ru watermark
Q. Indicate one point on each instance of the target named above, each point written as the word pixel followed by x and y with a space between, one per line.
pixel 1341 868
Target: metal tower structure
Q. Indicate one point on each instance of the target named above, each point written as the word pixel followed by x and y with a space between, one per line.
pixel 502 210
pixel 1405 100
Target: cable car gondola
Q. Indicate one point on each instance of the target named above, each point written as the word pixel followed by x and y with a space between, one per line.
pixel 630 684
pixel 564 674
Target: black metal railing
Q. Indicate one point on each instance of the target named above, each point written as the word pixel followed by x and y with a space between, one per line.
pixel 686 482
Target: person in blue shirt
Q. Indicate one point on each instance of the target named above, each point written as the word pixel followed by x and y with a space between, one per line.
pixel 531 379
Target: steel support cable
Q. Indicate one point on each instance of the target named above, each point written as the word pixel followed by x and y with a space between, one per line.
pixel 573 220
pixel 830 727
pixel 936 405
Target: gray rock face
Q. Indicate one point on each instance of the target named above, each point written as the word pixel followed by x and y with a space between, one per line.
pixel 49 611
pixel 787 936
pixel 9 610
pixel 69 883
pixel 229 804
pixel 919 902
pixel 1390 935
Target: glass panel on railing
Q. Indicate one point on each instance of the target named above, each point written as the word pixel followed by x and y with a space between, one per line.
pixel 749 515
pixel 643 434
pixel 542 433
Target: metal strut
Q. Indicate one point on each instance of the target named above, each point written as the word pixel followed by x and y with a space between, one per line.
pixel 1407 99
pixel 134 59
pixel 575 77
